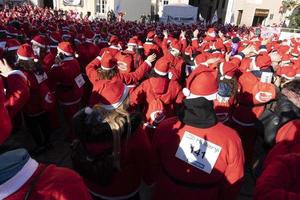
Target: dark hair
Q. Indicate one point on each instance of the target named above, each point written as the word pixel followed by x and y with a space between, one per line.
pixel 107 74
pixel 293 86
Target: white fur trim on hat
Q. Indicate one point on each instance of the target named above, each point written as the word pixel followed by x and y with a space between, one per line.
pixel 64 52
pixel 54 40
pixel 131 44
pixel 116 105
pixel 17 181
pixel 38 44
pixel 24 58
pixel 107 68
pixel 160 72
pixel 190 95
pixel 154 118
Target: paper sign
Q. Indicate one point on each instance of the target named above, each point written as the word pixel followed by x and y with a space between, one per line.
pixel 198 152
pixel 79 81
pixel 266 77
pixel 41 77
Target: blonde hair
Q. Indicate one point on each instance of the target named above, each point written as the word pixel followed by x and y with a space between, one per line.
pixel 117 120
pixel 106 74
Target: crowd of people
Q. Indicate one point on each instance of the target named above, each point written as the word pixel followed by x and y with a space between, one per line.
pixel 177 107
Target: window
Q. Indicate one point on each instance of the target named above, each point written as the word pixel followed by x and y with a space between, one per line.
pixel 101 6
pixel 223 4
pixel 166 2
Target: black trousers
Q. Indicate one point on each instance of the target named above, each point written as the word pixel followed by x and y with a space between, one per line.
pixel 39 127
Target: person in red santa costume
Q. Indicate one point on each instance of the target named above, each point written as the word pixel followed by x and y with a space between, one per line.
pixel 106 68
pixel 112 129
pixel 177 64
pixel 41 99
pixel 274 182
pixel 66 78
pixel 114 48
pixel 150 46
pixel 16 88
pixel 49 59
pixel 5 122
pixel 157 88
pixel 22 177
pixel 255 90
pixel 198 156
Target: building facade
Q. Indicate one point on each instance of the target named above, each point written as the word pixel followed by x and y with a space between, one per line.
pixel 133 8
pixel 239 12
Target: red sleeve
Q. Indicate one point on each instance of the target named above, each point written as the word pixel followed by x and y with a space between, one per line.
pixel 91 70
pixel 144 156
pixel 158 41
pixel 184 45
pixel 137 96
pixel 5 123
pixel 195 43
pixel 138 74
pixel 17 93
pixel 47 97
pixel 275 181
pixel 233 176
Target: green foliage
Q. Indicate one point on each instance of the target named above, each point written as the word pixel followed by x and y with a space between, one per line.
pixel 295 16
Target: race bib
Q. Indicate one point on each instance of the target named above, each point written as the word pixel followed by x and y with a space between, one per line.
pixel 198 152
pixel 41 77
pixel 266 77
pixel 79 80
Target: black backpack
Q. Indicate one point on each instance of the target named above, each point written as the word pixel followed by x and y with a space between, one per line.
pixel 274 117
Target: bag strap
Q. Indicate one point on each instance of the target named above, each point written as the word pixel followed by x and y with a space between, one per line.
pixel 34 182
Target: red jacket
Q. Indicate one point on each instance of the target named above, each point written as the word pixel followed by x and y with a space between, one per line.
pixel 169 92
pixel 17 92
pixel 113 50
pixel 136 165
pixel 48 61
pixel 55 183
pixel 177 67
pixel 223 182
pixel 280 180
pixel 87 51
pixel 150 48
pixel 5 123
pixel 41 98
pixel 68 81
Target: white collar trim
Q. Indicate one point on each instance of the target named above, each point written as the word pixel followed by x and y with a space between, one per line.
pixel 18 180
pixel 116 105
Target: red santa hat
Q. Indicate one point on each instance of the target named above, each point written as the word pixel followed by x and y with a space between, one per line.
pixel 124 62
pixel 227 70
pixel 162 67
pixel 65 48
pixel 12 45
pixel 202 83
pixel 89 35
pixel 150 35
pixel 39 41
pixel 132 42
pixel 288 72
pixel 113 94
pixel 295 52
pixel 176 45
pixel 201 58
pixel 55 37
pixel 108 62
pixel 263 61
pixel 211 33
pixel 5 123
pixel 25 52
pixel 114 40
pixel 286 59
pixel 219 45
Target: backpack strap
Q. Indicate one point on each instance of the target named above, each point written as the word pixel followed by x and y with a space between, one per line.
pixel 34 182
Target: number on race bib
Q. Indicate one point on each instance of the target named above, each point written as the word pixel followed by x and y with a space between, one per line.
pixel 198 152
pixel 79 80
